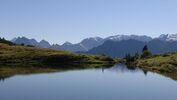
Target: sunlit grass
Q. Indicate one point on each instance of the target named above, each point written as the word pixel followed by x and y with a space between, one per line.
pixel 23 55
pixel 165 64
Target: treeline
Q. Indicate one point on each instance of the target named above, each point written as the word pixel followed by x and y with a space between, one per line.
pixel 145 53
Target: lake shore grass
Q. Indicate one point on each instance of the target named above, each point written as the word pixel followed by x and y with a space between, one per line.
pixel 15 55
pixel 165 64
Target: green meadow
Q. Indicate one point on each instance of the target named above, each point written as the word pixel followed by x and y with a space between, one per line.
pixel 16 55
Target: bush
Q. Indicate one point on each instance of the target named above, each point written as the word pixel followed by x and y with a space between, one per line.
pixel 146 54
pixel 165 55
pixel 107 59
pixel 130 58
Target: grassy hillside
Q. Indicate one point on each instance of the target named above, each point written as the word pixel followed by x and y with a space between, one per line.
pixel 2 40
pixel 165 64
pixel 15 55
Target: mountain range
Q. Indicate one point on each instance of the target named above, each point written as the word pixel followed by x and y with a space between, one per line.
pixel 117 45
pixel 85 45
pixel 33 42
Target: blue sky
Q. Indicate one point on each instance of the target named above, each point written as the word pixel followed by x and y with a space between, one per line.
pixel 72 20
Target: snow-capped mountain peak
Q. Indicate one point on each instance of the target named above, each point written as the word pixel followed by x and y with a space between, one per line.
pixel 168 37
pixel 127 37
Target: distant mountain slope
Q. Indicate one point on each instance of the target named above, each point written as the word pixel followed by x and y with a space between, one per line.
pixel 118 48
pixel 158 47
pixel 121 48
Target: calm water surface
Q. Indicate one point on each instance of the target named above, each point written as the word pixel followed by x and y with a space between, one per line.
pixel 116 83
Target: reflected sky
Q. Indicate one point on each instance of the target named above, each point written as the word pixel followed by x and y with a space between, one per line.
pixel 116 83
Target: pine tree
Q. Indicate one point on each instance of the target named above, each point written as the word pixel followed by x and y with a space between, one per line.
pixel 145 48
pixel 145 52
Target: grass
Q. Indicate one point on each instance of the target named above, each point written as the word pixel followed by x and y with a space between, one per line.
pixel 165 64
pixel 15 55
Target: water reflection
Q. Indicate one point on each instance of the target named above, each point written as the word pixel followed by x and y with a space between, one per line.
pixel 8 72
pixel 116 83
pixel 122 68
pixel 2 79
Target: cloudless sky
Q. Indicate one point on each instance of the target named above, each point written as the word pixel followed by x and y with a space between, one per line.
pixel 73 20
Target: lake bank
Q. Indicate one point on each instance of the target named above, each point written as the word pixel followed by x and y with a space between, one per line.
pixel 165 64
pixel 15 55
